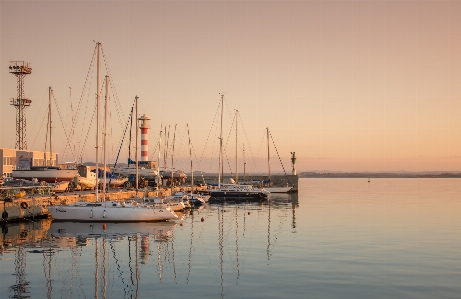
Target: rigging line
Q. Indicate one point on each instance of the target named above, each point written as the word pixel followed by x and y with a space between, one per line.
pixel 209 132
pixel 118 106
pixel 64 129
pixel 90 72
pixel 123 137
pixel 35 120
pixel 88 132
pixel 178 151
pixel 259 150
pixel 85 114
pixel 227 141
pixel 279 157
pixel 248 142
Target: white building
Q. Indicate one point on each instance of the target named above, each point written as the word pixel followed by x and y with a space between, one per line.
pixel 11 159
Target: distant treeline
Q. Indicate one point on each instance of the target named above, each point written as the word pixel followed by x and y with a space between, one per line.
pixel 376 175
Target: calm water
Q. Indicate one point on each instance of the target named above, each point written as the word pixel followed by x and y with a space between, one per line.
pixel 337 238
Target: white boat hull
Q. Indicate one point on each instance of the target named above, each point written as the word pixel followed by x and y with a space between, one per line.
pixel 110 212
pixel 278 189
pixel 48 175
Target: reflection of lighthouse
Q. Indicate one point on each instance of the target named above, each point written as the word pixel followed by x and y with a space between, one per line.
pixel 144 126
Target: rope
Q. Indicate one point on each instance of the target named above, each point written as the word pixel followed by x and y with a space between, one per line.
pixel 90 69
pixel 208 137
pixel 279 157
pixel 123 138
pixel 248 142
pixel 118 106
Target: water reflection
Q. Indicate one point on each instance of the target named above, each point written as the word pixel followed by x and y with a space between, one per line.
pixel 81 260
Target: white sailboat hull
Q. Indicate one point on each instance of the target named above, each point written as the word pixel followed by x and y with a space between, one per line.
pixel 278 189
pixel 110 212
pixel 47 175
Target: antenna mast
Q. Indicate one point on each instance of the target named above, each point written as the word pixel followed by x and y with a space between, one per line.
pixel 20 69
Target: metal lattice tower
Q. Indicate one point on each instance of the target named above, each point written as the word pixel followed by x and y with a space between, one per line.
pixel 20 69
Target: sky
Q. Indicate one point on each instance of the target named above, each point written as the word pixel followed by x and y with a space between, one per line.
pixel 347 85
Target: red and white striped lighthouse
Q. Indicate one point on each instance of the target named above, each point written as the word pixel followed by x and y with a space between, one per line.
pixel 144 126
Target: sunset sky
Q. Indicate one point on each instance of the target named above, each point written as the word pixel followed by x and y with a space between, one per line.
pixel 347 85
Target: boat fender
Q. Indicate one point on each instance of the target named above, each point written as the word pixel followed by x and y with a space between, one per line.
pixel 5 215
pixel 203 219
pixel 91 214
pixel 248 213
pixel 104 214
pixel 24 205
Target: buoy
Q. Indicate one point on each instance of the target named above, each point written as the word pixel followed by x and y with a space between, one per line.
pixel 203 219
pixel 248 213
pixel 181 224
pixel 104 226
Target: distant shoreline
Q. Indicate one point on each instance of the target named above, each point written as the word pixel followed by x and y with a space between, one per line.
pixel 378 175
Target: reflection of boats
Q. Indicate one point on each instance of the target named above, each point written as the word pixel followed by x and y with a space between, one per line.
pixel 95 229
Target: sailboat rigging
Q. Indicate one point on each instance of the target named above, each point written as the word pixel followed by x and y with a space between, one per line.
pixel 108 211
pixel 233 190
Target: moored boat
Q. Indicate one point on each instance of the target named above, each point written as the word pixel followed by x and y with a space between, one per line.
pixel 48 174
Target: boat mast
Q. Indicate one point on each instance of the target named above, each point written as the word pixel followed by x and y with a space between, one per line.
pixel 236 148
pixel 158 162
pixel 268 156
pixel 136 146
pixel 244 164
pixel 105 136
pixel 50 92
pixel 98 98
pixel 172 161
pixel 220 144
pixel 190 154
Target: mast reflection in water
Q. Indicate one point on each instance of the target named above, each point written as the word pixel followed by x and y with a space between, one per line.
pixel 339 238
pixel 83 260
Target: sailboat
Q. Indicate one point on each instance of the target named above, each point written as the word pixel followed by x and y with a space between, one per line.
pixel 109 211
pixel 233 190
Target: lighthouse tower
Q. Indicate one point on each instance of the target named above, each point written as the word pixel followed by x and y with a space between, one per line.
pixel 144 126
pixel 293 162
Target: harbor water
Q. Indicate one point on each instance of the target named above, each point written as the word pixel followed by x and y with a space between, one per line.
pixel 335 238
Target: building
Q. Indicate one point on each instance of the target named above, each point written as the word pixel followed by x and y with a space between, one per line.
pixel 11 159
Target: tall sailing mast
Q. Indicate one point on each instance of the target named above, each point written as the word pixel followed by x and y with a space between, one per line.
pixel 221 169
pixel 268 157
pixel 236 148
pixel 105 136
pixel 98 99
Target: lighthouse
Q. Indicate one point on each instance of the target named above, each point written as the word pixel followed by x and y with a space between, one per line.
pixel 144 126
pixel 293 162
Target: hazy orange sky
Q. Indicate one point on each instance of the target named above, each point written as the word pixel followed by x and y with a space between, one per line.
pixel 347 85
